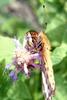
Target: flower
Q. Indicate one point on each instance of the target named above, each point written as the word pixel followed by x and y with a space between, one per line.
pixel 7 66
pixel 24 60
pixel 13 75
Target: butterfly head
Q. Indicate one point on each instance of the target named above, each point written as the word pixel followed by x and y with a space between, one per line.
pixel 32 37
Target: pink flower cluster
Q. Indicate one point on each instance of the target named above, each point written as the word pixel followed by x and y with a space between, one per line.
pixel 24 61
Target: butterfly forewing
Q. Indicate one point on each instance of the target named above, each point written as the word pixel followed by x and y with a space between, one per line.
pixel 41 44
pixel 47 68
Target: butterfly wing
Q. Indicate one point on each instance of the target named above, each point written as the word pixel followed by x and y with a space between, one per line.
pixel 43 46
pixel 47 73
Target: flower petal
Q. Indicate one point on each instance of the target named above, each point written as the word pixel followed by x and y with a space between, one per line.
pixel 13 75
pixel 17 43
pixel 7 66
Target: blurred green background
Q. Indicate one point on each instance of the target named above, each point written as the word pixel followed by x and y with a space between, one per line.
pixel 16 18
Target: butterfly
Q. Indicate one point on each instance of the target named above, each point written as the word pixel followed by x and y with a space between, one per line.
pixel 38 42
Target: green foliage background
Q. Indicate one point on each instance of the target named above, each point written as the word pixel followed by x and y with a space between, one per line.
pixel 55 14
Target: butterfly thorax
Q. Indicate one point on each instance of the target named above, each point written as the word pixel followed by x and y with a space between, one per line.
pixel 37 44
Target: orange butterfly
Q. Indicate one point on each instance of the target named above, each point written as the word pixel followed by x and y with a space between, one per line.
pixel 41 44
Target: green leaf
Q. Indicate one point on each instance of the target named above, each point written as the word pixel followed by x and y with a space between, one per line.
pixel 6 48
pixel 4 80
pixel 59 53
pixel 61 80
pixel 14 27
pixel 19 91
pixel 42 1
pixel 56 32
pixel 9 26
